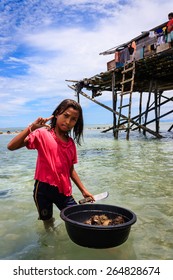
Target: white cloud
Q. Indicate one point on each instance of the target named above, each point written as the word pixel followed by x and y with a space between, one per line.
pixel 54 53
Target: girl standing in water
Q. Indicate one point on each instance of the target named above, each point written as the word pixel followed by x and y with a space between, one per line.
pixel 56 157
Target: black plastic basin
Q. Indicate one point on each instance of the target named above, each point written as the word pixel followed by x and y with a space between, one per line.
pixel 94 236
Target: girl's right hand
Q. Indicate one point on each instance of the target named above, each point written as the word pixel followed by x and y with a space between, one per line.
pixel 40 122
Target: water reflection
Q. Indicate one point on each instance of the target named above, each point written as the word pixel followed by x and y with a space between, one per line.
pixel 59 246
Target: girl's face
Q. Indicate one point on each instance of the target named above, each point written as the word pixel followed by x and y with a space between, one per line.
pixel 67 120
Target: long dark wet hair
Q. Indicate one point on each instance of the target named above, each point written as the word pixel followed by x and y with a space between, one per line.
pixel 78 128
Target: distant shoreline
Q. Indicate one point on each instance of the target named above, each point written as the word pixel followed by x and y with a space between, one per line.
pixel 106 127
pixel 16 131
pixel 8 132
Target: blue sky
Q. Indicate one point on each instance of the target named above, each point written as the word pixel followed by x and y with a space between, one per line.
pixel 43 43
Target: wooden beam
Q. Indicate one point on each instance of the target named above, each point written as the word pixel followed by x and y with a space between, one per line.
pixel 170 128
pixel 114 104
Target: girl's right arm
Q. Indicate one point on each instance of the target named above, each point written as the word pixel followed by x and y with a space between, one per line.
pixel 21 139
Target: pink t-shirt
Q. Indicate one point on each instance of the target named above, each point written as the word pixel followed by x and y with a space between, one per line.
pixel 55 158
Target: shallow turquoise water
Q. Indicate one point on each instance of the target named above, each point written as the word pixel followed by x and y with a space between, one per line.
pixel 138 175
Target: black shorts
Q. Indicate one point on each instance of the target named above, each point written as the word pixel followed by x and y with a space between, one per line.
pixel 46 195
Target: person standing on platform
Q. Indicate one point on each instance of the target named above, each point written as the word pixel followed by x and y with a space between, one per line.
pixel 170 29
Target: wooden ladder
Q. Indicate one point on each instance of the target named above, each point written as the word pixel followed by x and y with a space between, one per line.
pixel 126 89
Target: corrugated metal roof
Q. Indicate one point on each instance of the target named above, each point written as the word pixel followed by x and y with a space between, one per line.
pixel 156 67
pixel 143 35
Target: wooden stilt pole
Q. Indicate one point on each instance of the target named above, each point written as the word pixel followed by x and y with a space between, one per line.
pixel 159 107
pixel 140 109
pixel 148 105
pixel 78 99
pixel 114 106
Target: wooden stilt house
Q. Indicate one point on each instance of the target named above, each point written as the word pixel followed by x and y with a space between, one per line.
pixel 143 65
